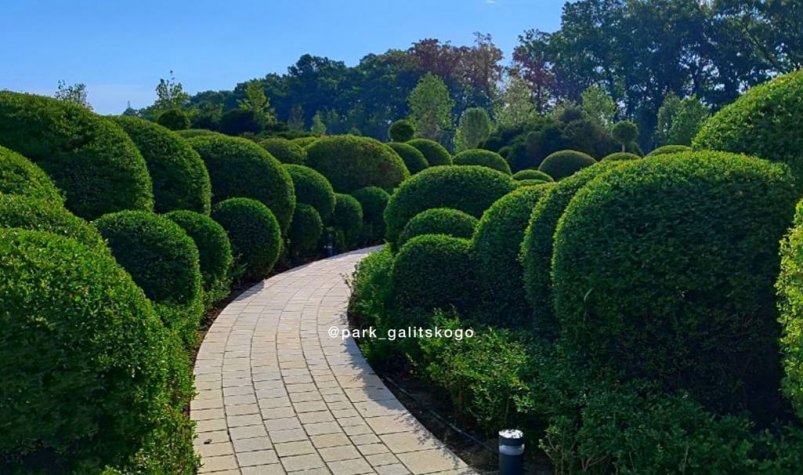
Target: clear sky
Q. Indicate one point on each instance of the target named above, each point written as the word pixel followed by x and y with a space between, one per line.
pixel 120 48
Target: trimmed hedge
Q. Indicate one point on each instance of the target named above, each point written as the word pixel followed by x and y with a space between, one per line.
pixel 468 189
pixel 241 168
pixel 305 142
pixel 214 252
pixel 180 179
pixel 790 307
pixel 565 163
pixel 174 119
pixel 532 175
pixel 18 211
pixel 401 130
pixel 100 173
pixel 497 245
pixel 350 163
pixel 434 271
pixel 536 248
pixel 313 189
pixel 286 151
pixel 373 201
pixel 667 149
pixel 621 156
pixel 665 271
pixel 483 158
pixel 85 380
pixel 348 218
pixel 413 159
pixel 19 176
pixel 254 232
pixel 192 133
pixel 445 221
pixel 305 230
pixel 764 122
pixel 435 153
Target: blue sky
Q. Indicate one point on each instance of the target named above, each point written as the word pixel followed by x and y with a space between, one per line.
pixel 120 48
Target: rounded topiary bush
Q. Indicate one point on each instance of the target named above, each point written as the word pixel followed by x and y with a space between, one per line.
pixel 497 246
pixel 621 156
pixel 483 158
pixel 305 230
pixel 434 271
pixel 446 221
pixel 180 179
pixel 764 122
pixel 790 306
pixel 254 232
pixel 413 159
pixel 192 133
pixel 565 163
pixel 214 252
pixel 19 176
pixel 18 211
pixel 373 201
pixel 286 151
pixel 305 142
pixel 665 270
pixel 84 361
pixel 100 173
pixel 532 175
pixel 313 189
pixel 351 163
pixel 348 218
pixel 468 189
pixel 435 153
pixel 174 119
pixel 241 168
pixel 401 130
pixel 667 149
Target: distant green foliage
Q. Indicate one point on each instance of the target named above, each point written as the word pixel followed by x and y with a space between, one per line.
pixel 667 149
pixel 312 188
pixel 599 105
pixel 351 163
pixel 431 107
pixel 286 151
pixel 401 130
pixel 192 133
pixel 305 142
pixel 625 132
pixel 254 233
pixel 483 158
pixel 565 163
pixel 532 175
pixel 348 218
pixel 621 156
pixel 435 153
pixel 413 159
pixel 19 176
pixel 373 201
pixel 445 221
pixel 473 129
pixel 25 212
pixel 305 230
pixel 679 121
pixel 174 119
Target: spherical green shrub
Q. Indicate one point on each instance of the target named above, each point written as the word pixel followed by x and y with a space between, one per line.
pixel 180 179
pixel 790 306
pixel 763 122
pixel 624 132
pixel 163 260
pixel 536 249
pixel 530 182
pixel 434 152
pixel 667 149
pixel 305 142
pixel 413 159
pixel 241 168
pixel 446 221
pixel 18 211
pixel 192 133
pixel 565 163
pixel 351 163
pixel 532 175
pixel 434 271
pixel 468 189
pixel 305 230
pixel 286 151
pixel 401 130
pixel 214 252
pixel 100 173
pixel 19 176
pixel 254 232
pixel 483 158
pixel 348 218
pixel 373 201
pixel 313 189
pixel 621 156
pixel 174 119
pixel 497 246
pixel 665 270
pixel 84 361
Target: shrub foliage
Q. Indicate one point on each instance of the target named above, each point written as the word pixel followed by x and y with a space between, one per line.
pixel 435 153
pixel 413 159
pixel 483 158
pixel 445 221
pixel 313 189
pixel 284 150
pixel 351 163
pixel 254 232
pixel 19 176
pixel 565 163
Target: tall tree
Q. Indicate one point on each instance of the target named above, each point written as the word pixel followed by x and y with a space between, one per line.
pixel 431 107
pixel 473 129
pixel 599 105
pixel 170 94
pixel 75 93
pixel 257 102
pixel 514 106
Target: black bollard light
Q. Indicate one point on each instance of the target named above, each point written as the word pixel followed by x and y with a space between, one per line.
pixel 511 452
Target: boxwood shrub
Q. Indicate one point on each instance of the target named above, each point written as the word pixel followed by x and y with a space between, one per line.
pixel 665 270
pixel 174 119
pixel 313 189
pixel 100 173
pixel 305 230
pixel 373 201
pixel 19 176
pixel 85 379
pixel 435 153
pixel 18 211
pixel 532 175
pixel 667 149
pixel 305 142
pixel 348 218
pixel 180 179
pixel 483 158
pixel 214 252
pixel 401 130
pixel 192 133
pixel 241 168
pixel 621 156
pixel 446 221
pixel 565 163
pixel 469 189
pixel 413 159
pixel 284 150
pixel 351 163
pixel 254 232
pixel 790 306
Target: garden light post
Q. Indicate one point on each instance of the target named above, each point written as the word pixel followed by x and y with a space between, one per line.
pixel 511 452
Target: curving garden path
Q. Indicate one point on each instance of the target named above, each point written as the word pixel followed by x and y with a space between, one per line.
pixel 276 394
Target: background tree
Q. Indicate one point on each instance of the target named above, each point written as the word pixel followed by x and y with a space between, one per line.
pixel 687 122
pixel 599 105
pixel 513 106
pixel 318 126
pixel 473 129
pixel 75 93
pixel 625 132
pixel 257 102
pixel 296 119
pixel 431 107
pixel 170 94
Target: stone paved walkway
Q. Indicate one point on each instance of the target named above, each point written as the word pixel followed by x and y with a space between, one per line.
pixel 276 394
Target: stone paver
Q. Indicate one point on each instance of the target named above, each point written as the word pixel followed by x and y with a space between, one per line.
pixel 277 394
